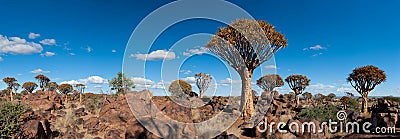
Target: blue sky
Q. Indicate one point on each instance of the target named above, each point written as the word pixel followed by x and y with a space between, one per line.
pixel 84 41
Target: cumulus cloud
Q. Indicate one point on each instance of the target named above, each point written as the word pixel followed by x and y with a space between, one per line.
pixel 316 47
pixel 89 80
pixel 48 42
pixel 143 83
pixel 321 86
pixel 318 54
pixel 94 80
pixel 33 35
pixel 196 51
pixel 48 54
pixel 344 89
pixel 270 67
pixel 190 80
pixel 72 82
pixel 16 45
pixel 114 51
pixel 72 54
pixel 38 71
pixel 229 81
pixel 155 55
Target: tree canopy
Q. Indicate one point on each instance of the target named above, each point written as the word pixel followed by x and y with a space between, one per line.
pixel 43 80
pixel 297 83
pixel 203 81
pixel 269 82
pixel 29 86
pixel 180 88
pixel 365 79
pixel 121 83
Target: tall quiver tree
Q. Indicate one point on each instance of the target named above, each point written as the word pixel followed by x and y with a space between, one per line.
pixel 269 82
pixel 298 84
pixel 52 86
pixel 245 44
pixel 29 86
pixel 65 89
pixel 43 80
pixel 364 80
pixel 203 81
pixel 10 81
pixel 81 89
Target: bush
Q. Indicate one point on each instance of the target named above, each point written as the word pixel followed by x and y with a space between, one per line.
pixel 9 115
pixel 320 113
pixel 392 98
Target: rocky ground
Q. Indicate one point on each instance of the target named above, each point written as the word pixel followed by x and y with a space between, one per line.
pixel 110 117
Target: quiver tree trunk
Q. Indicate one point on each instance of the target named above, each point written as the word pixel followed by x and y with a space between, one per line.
pixel 11 95
pixel 297 100
pixel 80 97
pixel 364 106
pixel 247 106
pixel 201 93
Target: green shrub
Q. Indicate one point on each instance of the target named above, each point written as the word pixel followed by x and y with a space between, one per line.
pixel 320 113
pixel 353 104
pixel 392 98
pixel 9 115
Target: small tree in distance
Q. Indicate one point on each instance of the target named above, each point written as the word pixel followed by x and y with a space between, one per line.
pixel 81 89
pixel 269 82
pixel 43 80
pixel 297 83
pixel 307 96
pixel 331 96
pixel 364 80
pixel 65 89
pixel 29 86
pixel 180 88
pixel 52 86
pixel 121 83
pixel 10 81
pixel 203 81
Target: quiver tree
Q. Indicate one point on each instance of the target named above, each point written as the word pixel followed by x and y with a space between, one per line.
pixel 52 86
pixel 43 80
pixel 245 44
pixel 269 82
pixel 203 81
pixel 307 96
pixel 180 89
pixel 331 96
pixel 10 81
pixel 320 97
pixel 81 89
pixel 364 80
pixel 65 89
pixel 16 87
pixel 29 86
pixel 349 94
pixel 297 83
pixel 345 101
pixel 121 83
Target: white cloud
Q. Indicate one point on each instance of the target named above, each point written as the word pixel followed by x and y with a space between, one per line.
pixel 48 42
pixel 89 80
pixel 321 86
pixel 16 45
pixel 270 67
pixel 155 55
pixel 142 83
pixel 94 80
pixel 33 35
pixel 114 51
pixel 48 54
pixel 72 82
pixel 190 80
pixel 196 51
pixel 185 71
pixel 1 59
pixel 314 55
pixel 72 54
pixel 344 89
pixel 316 47
pixel 89 49
pixel 229 81
pixel 38 71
